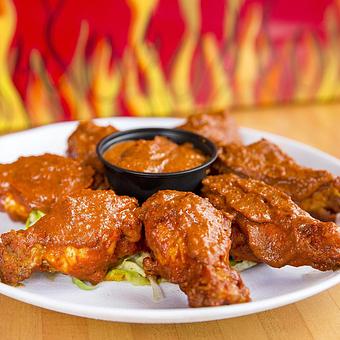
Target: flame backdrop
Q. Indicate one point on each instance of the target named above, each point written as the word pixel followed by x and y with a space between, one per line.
pixel 72 59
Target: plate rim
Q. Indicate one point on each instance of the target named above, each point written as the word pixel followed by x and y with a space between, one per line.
pixel 168 315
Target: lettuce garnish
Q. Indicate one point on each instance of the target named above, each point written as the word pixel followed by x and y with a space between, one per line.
pixel 131 268
pixel 34 217
pixel 82 285
pixel 241 265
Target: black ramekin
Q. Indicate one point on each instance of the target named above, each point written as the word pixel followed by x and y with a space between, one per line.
pixel 142 184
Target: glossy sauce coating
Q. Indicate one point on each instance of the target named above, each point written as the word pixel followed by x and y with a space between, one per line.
pixel 82 236
pixel 276 231
pixel 316 191
pixel 82 145
pixel 220 127
pixel 159 155
pixel 37 182
pixel 190 243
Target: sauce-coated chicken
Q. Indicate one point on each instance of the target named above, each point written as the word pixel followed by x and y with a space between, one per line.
pixel 189 241
pixel 220 127
pixel 84 234
pixel 273 228
pixel 37 182
pixel 316 191
pixel 82 145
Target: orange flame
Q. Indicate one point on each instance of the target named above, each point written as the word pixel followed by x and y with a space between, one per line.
pixel 12 111
pixel 90 87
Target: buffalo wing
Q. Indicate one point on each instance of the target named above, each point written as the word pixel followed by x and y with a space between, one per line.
pixel 83 235
pixel 37 182
pixel 82 145
pixel 273 228
pixel 220 127
pixel 316 191
pixel 189 241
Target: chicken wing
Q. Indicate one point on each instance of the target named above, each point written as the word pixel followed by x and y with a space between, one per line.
pixel 220 127
pixel 275 230
pixel 84 234
pixel 316 191
pixel 190 243
pixel 82 145
pixel 36 182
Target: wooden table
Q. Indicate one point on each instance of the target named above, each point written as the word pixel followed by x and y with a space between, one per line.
pixel 315 318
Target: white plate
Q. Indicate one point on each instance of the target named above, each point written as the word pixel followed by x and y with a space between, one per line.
pixel 120 301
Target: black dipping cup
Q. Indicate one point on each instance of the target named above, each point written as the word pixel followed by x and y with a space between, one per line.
pixel 143 184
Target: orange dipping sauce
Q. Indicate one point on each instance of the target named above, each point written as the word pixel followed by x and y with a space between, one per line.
pixel 158 155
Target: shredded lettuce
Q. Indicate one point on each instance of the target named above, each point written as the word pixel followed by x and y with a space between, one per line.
pixel 33 217
pixel 127 275
pixel 131 270
pixel 241 265
pixel 157 293
pixel 51 276
pixel 82 285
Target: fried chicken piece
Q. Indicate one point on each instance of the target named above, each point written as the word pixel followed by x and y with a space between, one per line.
pixel 316 191
pixel 36 183
pixel 79 237
pixel 220 127
pixel 82 145
pixel 240 249
pixel 190 243
pixel 276 231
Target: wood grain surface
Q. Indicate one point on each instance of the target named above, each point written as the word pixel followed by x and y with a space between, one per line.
pixel 314 318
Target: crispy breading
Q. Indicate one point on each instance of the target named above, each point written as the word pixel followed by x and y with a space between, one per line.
pixel 189 240
pixel 83 235
pixel 275 230
pixel 37 182
pixel 220 127
pixel 316 191
pixel 82 145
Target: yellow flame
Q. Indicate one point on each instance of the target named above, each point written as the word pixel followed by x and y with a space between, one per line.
pixel 12 111
pixel 141 12
pixel 42 102
pixel 106 81
pixel 308 71
pixel 265 51
pixel 74 83
pixel 136 101
pixel 220 92
pixel 157 88
pixel 231 15
pixel 269 86
pixel 91 87
pixel 157 91
pixel 330 82
pixel 180 73
pixel 246 69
